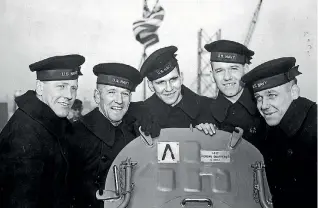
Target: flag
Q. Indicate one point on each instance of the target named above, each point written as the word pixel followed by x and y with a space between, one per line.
pixel 145 30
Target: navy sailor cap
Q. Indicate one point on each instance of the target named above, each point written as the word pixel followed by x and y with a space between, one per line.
pixel 229 51
pixel 159 63
pixel 271 74
pixel 117 74
pixel 55 68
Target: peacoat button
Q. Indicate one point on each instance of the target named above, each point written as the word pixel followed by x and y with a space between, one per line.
pixel 104 158
pixel 253 130
pixel 289 152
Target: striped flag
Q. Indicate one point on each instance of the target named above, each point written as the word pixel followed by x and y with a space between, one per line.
pixel 145 30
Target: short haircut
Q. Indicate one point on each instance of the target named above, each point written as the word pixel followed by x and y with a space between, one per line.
pixel 100 87
pixel 211 62
pixel 178 68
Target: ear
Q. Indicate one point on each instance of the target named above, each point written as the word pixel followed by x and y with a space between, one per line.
pixel 214 90
pixel 39 87
pixel 295 91
pixel 130 95
pixel 150 85
pixel 97 96
pixel 211 64
pixel 212 77
pixel 212 73
pixel 181 77
pixel 246 68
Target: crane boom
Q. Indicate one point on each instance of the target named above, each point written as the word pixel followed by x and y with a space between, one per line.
pixel 252 24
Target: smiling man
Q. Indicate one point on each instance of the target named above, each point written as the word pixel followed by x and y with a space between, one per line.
pixel 234 105
pixel 290 148
pixel 173 104
pixel 101 134
pixel 33 157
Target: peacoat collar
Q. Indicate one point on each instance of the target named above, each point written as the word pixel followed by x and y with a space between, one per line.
pixel 42 114
pixel 189 104
pixel 295 116
pixel 219 107
pixel 102 128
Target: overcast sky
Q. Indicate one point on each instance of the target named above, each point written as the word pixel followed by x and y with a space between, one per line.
pixel 101 30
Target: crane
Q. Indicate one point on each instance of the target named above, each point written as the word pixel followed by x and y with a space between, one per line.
pixel 253 24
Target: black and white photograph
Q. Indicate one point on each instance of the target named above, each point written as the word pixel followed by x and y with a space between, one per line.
pixel 158 103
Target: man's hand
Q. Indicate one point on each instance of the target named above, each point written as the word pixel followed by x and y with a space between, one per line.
pixel 144 119
pixel 207 128
pixel 149 125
